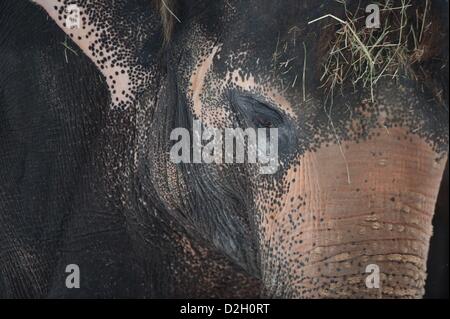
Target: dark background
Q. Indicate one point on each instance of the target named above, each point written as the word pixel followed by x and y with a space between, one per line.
pixel 437 282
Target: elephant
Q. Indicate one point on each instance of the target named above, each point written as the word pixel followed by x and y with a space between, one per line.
pixel 91 92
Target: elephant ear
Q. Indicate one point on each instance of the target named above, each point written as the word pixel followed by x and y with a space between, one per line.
pixel 122 37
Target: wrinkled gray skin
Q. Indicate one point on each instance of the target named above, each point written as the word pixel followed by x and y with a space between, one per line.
pixel 356 186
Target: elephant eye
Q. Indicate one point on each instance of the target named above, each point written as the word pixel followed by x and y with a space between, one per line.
pixel 252 112
pixel 262 122
pixel 256 113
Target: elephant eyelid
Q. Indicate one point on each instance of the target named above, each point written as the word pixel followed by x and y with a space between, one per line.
pixel 253 109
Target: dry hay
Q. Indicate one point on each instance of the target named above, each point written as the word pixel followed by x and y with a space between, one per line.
pixel 363 56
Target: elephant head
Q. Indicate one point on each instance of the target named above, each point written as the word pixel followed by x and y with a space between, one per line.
pixel 361 116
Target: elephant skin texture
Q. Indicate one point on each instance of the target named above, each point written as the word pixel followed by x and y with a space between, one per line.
pixel 86 175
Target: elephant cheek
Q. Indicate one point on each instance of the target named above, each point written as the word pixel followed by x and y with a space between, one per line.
pixel 350 213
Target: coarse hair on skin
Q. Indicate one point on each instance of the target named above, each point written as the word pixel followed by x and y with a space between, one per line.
pixel 167 10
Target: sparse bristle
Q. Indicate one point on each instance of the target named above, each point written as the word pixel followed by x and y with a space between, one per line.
pixel 167 9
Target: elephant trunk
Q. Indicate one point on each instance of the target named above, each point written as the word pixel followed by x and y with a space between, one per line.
pixel 354 226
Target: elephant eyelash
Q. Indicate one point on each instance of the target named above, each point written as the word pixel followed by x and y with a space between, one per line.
pixel 262 122
pixel 258 113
